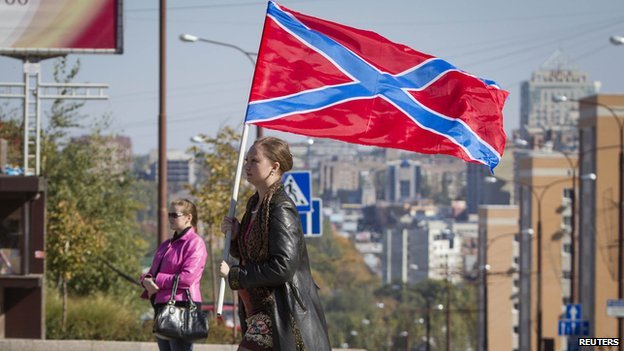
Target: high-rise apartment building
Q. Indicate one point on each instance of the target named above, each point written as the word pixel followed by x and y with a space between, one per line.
pixel 498 267
pixel 601 122
pixel 544 119
pixel 545 261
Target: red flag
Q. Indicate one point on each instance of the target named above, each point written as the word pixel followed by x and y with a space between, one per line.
pixel 323 79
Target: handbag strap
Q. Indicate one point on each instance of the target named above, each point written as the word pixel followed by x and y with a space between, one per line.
pixel 191 303
pixel 174 289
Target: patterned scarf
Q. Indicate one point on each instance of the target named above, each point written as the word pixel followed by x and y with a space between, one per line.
pixel 256 248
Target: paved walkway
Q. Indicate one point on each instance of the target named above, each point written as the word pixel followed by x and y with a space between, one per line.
pixel 93 345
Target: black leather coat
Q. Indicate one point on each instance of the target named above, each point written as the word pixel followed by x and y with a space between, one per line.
pixel 287 273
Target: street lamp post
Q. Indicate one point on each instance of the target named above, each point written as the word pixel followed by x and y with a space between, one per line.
pixel 439 307
pixel 617 40
pixel 189 38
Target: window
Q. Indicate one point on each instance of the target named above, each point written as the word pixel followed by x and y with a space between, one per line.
pixel 566 274
pixel 404 189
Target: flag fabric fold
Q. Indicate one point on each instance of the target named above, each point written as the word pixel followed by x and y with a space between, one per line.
pixel 323 79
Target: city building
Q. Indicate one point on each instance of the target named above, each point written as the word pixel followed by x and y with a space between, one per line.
pixel 446 260
pixel 542 118
pixel 479 191
pixel 180 169
pixel 498 268
pixel 405 252
pixel 417 249
pixel 601 121
pixel 353 184
pixel 443 178
pixel 546 185
pixel 403 181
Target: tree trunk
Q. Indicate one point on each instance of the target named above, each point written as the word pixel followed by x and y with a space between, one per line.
pixel 64 308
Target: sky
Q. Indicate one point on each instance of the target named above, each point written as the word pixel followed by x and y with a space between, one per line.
pixel 208 85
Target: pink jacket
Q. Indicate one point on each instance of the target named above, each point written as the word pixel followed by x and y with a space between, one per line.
pixel 186 256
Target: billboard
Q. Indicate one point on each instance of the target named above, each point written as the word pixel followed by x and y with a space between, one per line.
pixel 55 27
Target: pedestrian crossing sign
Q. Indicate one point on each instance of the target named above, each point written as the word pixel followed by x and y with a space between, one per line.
pixel 298 186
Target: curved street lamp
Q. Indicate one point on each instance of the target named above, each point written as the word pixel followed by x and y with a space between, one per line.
pixel 190 38
pixel 617 40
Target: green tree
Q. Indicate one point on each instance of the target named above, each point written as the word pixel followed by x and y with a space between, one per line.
pixel 217 158
pixel 90 209
pixel 364 313
pixel 12 131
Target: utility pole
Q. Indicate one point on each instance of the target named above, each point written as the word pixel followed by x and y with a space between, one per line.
pixel 161 235
pixel 428 326
pixel 448 311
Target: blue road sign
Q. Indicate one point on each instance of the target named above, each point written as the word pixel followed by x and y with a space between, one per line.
pixel 573 311
pixel 312 222
pixel 298 185
pixel 573 327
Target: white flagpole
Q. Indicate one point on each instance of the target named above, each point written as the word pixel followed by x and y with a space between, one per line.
pixel 232 211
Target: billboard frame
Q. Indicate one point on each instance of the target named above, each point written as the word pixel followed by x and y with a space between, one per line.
pixel 23 53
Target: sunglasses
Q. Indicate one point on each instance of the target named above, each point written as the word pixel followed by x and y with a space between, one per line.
pixel 175 214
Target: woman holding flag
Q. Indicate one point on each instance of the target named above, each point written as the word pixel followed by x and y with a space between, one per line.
pixel 280 308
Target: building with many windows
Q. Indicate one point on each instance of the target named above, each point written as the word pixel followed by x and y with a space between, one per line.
pixel 541 117
pixel 419 249
pixel 180 169
pixel 601 122
pixel 497 271
pixel 403 181
pixel 545 261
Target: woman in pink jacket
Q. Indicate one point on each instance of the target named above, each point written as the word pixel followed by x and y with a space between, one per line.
pixel 185 254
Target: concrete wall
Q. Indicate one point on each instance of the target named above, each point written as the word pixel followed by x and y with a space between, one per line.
pixel 92 345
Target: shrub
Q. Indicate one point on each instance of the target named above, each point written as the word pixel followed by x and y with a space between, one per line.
pixel 98 317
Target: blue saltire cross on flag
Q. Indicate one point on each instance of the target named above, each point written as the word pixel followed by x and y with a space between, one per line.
pixel 323 79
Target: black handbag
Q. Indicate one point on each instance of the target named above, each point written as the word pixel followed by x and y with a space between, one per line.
pixel 180 322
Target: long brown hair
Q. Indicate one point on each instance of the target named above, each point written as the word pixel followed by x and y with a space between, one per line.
pixel 276 150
